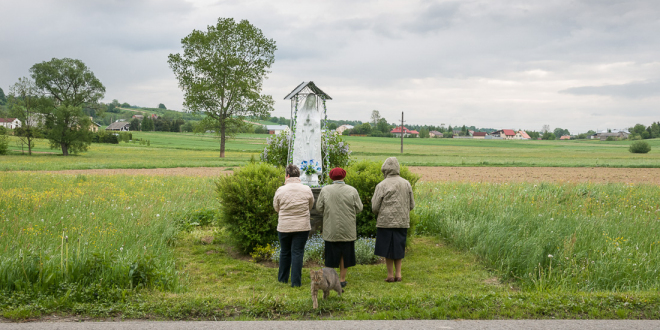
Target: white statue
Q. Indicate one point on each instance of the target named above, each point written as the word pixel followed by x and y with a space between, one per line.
pixel 307 145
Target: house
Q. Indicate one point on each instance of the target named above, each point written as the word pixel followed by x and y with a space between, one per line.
pixel 479 135
pixel 406 132
pixel 524 135
pixel 565 137
pixel 94 127
pixel 10 123
pixel 506 134
pixel 340 130
pixel 434 134
pixel 138 117
pixel 277 129
pixel 119 126
pixel 620 135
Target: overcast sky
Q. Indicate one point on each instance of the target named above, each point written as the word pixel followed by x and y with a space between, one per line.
pixel 590 64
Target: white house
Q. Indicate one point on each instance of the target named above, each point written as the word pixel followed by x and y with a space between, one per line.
pixel 340 130
pixel 10 123
pixel 277 129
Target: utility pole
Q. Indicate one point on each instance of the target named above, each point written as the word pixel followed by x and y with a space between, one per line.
pixel 402 132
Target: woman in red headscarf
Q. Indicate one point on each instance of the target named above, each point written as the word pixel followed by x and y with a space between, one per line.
pixel 340 204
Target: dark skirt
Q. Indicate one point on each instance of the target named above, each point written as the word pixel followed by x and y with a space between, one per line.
pixel 391 242
pixel 335 250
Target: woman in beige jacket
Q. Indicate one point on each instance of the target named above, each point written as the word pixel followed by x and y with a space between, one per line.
pixel 392 202
pixel 292 203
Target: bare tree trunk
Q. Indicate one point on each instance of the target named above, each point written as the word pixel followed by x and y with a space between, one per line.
pixel 65 149
pixel 29 139
pixel 222 139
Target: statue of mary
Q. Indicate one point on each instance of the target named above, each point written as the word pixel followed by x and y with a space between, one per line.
pixel 307 144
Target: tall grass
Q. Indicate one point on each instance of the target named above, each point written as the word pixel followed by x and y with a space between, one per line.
pixel 61 232
pixel 576 237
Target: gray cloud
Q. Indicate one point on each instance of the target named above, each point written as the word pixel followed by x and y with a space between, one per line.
pixel 483 62
pixel 633 90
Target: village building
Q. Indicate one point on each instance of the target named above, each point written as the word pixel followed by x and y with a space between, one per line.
pixel 138 117
pixel 10 123
pixel 340 130
pixel 94 127
pixel 119 126
pixel 506 134
pixel 620 135
pixel 479 135
pixel 406 132
pixel 523 135
pixel 277 129
pixel 435 134
pixel 565 137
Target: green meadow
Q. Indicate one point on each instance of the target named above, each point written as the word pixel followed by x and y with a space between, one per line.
pixel 199 150
pixel 151 247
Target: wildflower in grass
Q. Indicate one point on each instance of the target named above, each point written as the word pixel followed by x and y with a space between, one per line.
pixel 550 256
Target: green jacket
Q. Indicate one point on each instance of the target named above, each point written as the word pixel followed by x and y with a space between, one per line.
pixel 339 203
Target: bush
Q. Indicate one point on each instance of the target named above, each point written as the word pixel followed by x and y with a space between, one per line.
pixel 639 147
pixel 364 176
pixel 4 141
pixel 246 199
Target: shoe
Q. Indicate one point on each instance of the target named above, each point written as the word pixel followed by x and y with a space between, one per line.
pixel 343 284
pixel 389 279
pixel 397 279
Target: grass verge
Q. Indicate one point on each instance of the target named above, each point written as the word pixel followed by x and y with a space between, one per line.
pixel 552 237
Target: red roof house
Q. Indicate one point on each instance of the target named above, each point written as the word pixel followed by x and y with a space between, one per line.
pixel 524 135
pixel 505 133
pixel 406 132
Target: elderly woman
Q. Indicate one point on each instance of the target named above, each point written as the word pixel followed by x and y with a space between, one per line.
pixel 340 204
pixel 392 203
pixel 292 203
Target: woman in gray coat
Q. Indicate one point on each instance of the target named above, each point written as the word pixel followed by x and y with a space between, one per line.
pixel 392 202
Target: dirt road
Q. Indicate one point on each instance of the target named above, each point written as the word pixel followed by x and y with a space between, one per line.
pixel 539 174
pixel 466 174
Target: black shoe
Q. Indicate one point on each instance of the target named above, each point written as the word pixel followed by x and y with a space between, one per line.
pixel 343 284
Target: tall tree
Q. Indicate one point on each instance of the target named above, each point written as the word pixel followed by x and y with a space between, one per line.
pixel 161 106
pixel 375 117
pixel 135 125
pixel 71 85
pixel 221 72
pixel 3 98
pixel 26 102
pixel 147 124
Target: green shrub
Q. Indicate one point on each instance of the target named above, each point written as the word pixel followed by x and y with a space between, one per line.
pixel 640 147
pixel 364 176
pixel 246 200
pixel 4 141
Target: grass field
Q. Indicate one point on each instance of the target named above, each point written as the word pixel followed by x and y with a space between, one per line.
pixel 190 150
pixel 569 237
pixel 131 238
pixel 101 232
